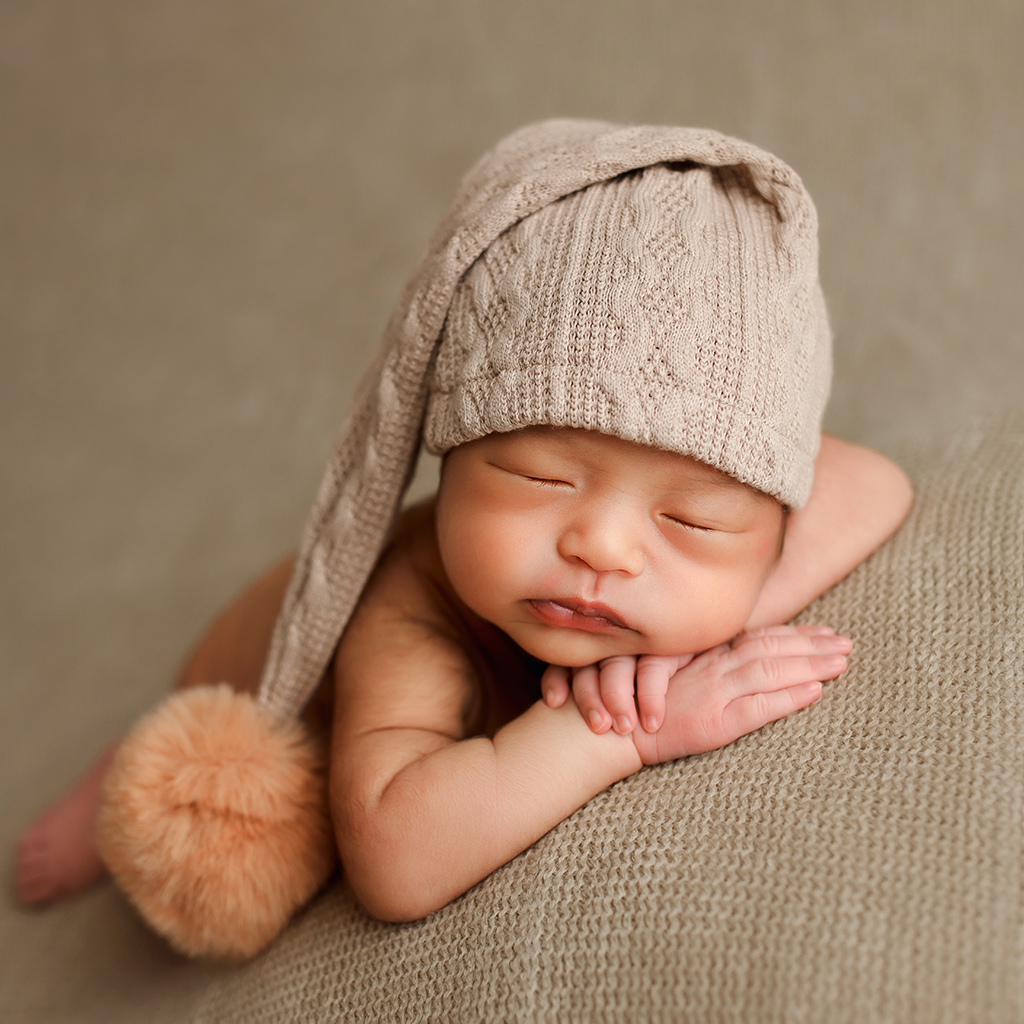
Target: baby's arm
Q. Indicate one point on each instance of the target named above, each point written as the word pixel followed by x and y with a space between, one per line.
pixel 858 500
pixel 422 811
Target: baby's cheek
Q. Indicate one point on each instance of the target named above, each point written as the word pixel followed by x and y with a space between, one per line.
pixel 726 608
pixel 759 547
pixel 461 565
pixel 755 562
pixel 483 566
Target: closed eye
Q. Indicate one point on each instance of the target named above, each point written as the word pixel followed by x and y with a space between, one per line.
pixel 545 481
pixel 686 524
pixel 540 481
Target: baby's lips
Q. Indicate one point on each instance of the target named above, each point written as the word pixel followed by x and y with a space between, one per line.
pixel 571 613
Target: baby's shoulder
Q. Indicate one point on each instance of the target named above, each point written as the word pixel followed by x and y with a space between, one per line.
pixel 409 577
pixel 404 657
pixel 412 634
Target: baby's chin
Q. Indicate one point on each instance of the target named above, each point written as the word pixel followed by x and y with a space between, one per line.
pixel 574 649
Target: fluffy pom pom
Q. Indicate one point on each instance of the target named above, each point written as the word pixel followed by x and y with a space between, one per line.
pixel 215 822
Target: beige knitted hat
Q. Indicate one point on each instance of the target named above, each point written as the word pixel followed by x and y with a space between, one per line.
pixel 657 284
pixel 666 306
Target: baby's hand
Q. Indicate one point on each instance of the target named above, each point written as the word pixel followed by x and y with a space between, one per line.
pixel 604 692
pixel 740 686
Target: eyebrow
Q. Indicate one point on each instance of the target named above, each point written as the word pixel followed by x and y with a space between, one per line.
pixel 716 480
pixel 714 488
pixel 707 477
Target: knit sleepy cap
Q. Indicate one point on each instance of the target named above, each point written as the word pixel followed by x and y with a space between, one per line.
pixel 657 284
pixel 665 306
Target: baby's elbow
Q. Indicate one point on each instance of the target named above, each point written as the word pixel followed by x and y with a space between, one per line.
pixel 897 496
pixel 389 900
pixel 879 494
pixel 390 879
pixel 392 894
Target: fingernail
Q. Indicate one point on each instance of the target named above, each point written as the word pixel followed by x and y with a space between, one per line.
pixel 622 726
pixel 594 718
pixel 650 724
pixel 838 662
pixel 832 643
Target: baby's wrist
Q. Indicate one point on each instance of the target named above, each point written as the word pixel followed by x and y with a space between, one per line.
pixel 645 746
pixel 616 752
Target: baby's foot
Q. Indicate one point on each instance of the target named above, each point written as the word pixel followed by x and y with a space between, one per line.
pixel 57 855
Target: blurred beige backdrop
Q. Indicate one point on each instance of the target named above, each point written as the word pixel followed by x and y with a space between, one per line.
pixel 208 208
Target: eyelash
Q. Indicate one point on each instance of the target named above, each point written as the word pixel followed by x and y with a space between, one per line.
pixel 545 481
pixel 688 526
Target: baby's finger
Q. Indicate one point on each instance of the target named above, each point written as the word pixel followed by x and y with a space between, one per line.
pixel 617 676
pixel 554 685
pixel 769 675
pixel 756 710
pixel 809 630
pixel 788 645
pixel 586 691
pixel 652 677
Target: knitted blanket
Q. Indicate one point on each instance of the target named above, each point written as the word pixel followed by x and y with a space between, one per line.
pixel 860 861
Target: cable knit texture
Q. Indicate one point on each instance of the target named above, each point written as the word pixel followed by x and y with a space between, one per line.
pixel 669 306
pixel 679 306
pixel 858 861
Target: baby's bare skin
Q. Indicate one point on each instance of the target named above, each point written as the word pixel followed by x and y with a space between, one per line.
pixel 437 707
pixel 578 547
pixel 858 499
pixel 57 856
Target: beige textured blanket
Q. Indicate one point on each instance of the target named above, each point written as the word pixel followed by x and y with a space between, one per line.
pixel 858 862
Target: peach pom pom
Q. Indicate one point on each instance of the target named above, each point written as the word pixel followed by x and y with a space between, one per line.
pixel 215 822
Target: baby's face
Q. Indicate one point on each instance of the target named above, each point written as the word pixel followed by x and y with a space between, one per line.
pixel 581 546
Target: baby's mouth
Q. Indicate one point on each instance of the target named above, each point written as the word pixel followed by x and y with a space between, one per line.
pixel 589 616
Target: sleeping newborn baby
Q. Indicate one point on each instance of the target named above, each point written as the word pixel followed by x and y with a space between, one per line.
pixel 618 344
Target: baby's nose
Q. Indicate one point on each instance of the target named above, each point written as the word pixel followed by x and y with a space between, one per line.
pixel 606 540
